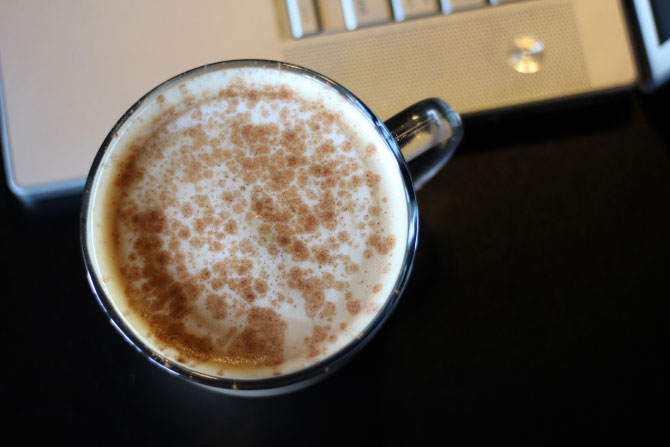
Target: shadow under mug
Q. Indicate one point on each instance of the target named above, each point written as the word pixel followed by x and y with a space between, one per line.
pixel 421 138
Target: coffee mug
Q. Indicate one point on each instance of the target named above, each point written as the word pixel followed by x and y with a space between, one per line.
pixel 249 225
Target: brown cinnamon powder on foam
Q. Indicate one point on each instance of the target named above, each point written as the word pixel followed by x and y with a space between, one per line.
pixel 278 167
pixel 262 339
pixel 315 342
pixel 384 245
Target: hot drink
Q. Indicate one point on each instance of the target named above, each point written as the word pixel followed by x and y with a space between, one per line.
pixel 247 222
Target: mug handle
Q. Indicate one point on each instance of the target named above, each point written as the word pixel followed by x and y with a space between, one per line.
pixel 427 134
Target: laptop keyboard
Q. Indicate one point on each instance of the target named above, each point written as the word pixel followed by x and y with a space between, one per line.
pixel 313 17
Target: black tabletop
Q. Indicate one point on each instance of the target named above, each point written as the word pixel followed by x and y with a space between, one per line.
pixel 537 309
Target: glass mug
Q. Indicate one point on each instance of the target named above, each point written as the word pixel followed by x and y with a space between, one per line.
pixel 249 225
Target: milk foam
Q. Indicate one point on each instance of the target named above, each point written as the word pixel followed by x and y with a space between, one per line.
pixel 256 214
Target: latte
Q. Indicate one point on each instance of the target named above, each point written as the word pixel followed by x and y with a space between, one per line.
pixel 247 222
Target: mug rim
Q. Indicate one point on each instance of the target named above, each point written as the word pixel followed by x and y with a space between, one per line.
pixel 270 383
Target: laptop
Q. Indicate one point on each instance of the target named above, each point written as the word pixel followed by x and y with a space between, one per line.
pixel 70 69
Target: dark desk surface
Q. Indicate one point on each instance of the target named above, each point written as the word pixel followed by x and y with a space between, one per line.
pixel 537 310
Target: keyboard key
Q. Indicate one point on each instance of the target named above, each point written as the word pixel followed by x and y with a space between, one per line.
pixel 409 9
pixel 449 6
pixel 302 17
pixel 331 15
pixel 358 13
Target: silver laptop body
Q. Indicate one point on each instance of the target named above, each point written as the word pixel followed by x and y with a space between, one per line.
pixel 69 69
